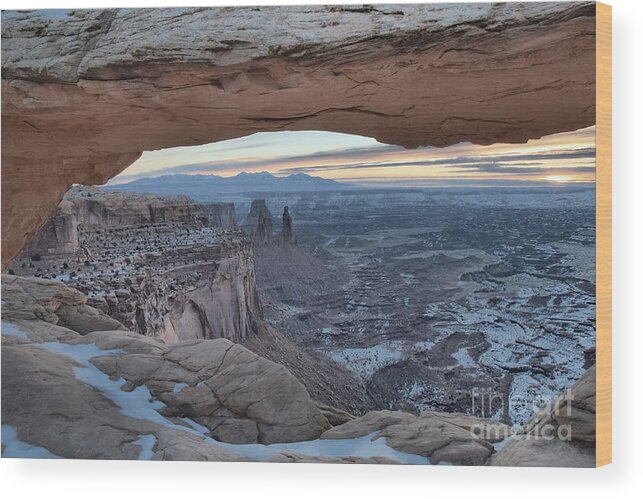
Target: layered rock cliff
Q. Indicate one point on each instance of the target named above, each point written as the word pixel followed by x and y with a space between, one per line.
pixel 164 267
pixel 59 235
pixel 225 304
pixel 219 215
pixel 85 210
pixel 83 94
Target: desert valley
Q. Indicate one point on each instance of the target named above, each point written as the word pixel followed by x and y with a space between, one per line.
pixel 428 302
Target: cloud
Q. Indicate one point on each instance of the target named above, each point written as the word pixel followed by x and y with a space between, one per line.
pixel 481 163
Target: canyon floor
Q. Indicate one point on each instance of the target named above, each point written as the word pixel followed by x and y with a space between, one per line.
pixel 439 297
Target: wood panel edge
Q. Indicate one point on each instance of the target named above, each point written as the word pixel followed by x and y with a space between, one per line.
pixel 603 234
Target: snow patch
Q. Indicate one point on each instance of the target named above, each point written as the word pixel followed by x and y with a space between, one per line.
pixel 147 443
pixel 9 329
pixel 14 447
pixel 179 386
pixel 463 358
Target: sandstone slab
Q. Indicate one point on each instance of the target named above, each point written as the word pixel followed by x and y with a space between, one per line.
pixel 442 438
pixel 29 298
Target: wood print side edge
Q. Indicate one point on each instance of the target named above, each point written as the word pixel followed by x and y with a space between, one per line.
pixel 603 234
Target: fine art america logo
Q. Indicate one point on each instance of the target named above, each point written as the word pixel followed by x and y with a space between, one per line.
pixel 543 425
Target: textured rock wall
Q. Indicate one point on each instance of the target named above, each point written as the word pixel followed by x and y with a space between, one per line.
pixel 219 215
pixel 59 235
pixel 99 208
pixel 160 265
pixel 84 209
pixel 218 301
pixel 225 306
pixel 213 293
pixel 84 94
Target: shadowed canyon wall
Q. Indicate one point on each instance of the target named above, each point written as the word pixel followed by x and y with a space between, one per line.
pixel 84 94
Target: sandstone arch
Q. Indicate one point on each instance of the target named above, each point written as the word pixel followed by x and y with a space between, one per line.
pixel 84 94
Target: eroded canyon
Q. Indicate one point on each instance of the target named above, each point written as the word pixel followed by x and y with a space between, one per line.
pixel 372 311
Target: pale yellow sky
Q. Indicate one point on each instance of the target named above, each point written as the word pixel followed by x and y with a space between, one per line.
pixel 560 158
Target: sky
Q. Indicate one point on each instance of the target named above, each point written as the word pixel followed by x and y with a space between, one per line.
pixel 563 158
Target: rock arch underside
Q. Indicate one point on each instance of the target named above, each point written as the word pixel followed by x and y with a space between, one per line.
pixel 84 94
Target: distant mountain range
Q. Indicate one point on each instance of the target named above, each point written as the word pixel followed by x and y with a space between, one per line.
pixel 203 186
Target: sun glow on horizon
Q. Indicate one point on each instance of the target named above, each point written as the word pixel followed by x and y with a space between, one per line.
pixel 559 179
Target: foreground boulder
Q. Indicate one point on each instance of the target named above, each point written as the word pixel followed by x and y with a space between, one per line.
pixel 51 409
pixel 562 435
pixel 442 438
pixel 239 396
pixel 236 395
pixel 27 298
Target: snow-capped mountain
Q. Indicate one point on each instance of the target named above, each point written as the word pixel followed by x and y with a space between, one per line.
pixel 203 185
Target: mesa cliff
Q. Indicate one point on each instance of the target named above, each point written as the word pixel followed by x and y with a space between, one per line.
pixel 85 209
pixel 165 267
